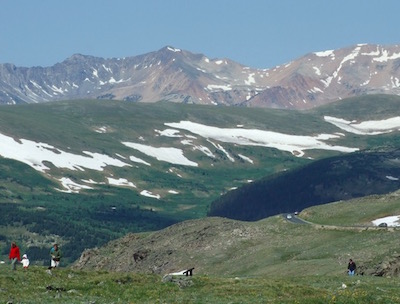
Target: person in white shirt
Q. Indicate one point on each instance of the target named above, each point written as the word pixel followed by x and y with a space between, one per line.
pixel 25 261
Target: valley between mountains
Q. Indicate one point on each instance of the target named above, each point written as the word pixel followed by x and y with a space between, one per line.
pixel 85 172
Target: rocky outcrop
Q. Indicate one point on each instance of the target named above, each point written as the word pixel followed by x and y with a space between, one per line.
pixel 174 248
pixel 389 267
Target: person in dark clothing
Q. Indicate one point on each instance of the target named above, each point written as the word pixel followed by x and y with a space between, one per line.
pixel 351 267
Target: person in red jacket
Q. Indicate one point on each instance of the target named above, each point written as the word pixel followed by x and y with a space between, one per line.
pixel 14 255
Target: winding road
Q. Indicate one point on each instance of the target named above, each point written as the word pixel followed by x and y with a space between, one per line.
pixel 291 217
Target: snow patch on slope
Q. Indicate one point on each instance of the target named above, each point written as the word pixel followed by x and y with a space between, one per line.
pixel 371 127
pixel 296 144
pixel 391 221
pixel 167 154
pixel 35 153
pixel 150 194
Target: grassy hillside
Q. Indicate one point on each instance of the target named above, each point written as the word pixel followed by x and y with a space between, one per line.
pixel 272 247
pixel 35 214
pixel 69 286
pixel 357 212
pixel 268 261
pixel 368 107
pixel 36 210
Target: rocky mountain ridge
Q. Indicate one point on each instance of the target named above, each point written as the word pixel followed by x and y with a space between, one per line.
pixel 180 76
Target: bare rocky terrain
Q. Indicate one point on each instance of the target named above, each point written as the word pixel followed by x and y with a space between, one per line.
pixel 183 245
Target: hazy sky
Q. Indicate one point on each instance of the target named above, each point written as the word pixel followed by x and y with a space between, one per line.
pixel 257 33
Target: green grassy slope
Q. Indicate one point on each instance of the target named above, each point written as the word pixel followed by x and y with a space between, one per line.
pixel 269 261
pixel 368 107
pixel 273 247
pixel 35 214
pixel 70 126
pixel 67 286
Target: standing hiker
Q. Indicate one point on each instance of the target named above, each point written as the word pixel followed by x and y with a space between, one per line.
pixel 351 267
pixel 55 254
pixel 14 255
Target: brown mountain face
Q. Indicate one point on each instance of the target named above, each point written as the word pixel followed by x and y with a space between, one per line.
pixel 180 76
pixel 323 77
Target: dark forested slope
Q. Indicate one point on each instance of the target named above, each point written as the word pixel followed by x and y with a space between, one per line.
pixel 327 180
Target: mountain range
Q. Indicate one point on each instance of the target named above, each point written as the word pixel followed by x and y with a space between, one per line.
pixel 180 76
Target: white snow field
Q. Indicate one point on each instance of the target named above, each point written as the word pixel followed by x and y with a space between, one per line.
pixel 36 154
pixel 391 221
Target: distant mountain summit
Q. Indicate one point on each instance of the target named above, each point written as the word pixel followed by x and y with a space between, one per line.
pixel 180 76
pixel 322 77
